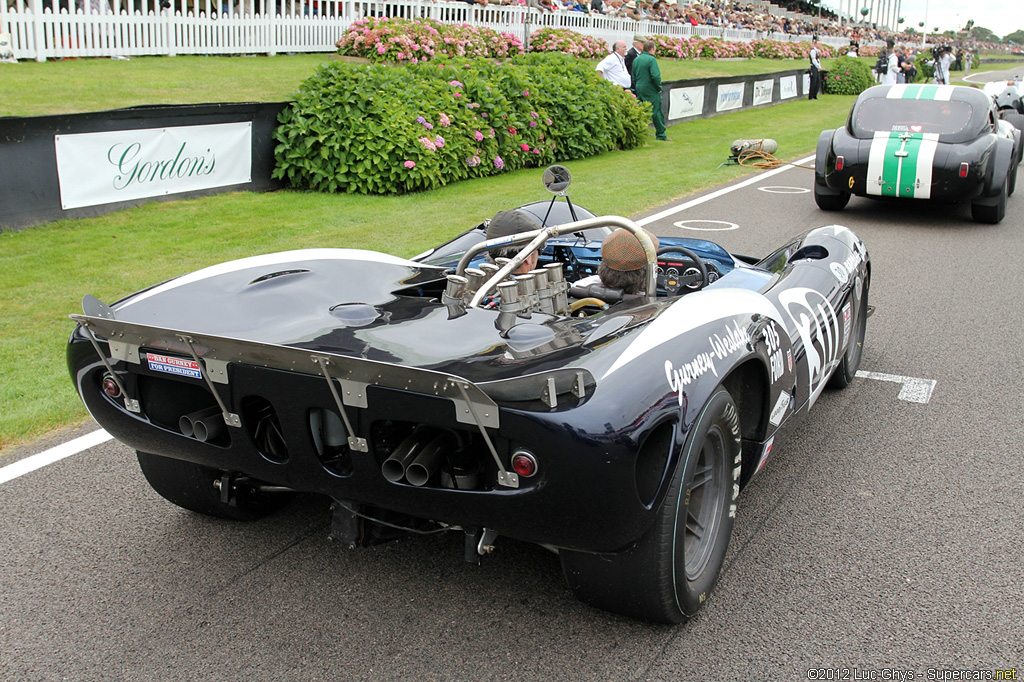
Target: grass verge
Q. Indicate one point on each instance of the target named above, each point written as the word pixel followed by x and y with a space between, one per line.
pixel 77 85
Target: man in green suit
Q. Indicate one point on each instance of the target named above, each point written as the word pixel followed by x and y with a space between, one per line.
pixel 647 77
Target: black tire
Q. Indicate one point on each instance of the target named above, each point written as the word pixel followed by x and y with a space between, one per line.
pixel 192 486
pixel 846 370
pixel 831 202
pixel 667 576
pixel 991 214
pixel 1018 122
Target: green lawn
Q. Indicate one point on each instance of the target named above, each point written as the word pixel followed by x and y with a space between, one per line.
pixel 45 270
pixel 76 85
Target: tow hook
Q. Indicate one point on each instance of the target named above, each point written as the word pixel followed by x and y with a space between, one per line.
pixel 479 541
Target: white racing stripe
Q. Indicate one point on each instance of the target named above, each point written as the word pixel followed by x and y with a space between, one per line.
pixel 54 454
pixel 925 163
pixel 876 157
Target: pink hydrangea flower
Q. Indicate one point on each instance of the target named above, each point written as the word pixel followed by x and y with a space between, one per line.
pixel 445 121
pixel 380 49
pixel 409 164
pixel 478 135
pixel 525 147
pixel 512 131
pixel 427 144
pixel 526 93
pixel 498 163
pixel 533 124
pixel 439 142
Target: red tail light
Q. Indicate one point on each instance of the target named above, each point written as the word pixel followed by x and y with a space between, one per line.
pixel 524 464
pixel 110 387
pixel 963 169
pixel 839 163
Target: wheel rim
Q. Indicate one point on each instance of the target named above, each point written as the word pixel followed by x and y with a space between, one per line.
pixel 704 505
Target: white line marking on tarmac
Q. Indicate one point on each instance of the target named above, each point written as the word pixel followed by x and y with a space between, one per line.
pixel 719 193
pixel 780 189
pixel 22 467
pixel 54 454
pixel 687 225
pixel 913 390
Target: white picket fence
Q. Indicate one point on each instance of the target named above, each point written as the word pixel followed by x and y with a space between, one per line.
pixel 54 29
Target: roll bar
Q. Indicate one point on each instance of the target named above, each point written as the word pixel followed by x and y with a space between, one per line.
pixel 536 238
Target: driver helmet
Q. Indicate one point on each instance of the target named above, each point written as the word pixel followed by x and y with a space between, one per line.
pixel 623 252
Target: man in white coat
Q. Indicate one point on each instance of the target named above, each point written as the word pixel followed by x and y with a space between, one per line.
pixel 613 67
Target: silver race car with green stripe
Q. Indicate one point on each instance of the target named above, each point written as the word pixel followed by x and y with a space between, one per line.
pixel 932 142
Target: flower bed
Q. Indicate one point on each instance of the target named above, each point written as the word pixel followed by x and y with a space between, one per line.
pixel 381 39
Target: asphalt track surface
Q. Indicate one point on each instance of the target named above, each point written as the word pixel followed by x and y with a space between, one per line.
pixel 884 536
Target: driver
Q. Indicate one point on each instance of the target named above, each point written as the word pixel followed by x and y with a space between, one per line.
pixel 505 224
pixel 623 264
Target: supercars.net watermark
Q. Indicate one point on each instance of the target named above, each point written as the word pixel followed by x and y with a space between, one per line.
pixel 910 674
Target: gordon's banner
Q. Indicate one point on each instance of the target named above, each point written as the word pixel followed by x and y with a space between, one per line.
pixel 122 165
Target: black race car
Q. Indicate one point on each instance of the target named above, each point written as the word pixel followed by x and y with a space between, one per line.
pixel 923 142
pixel 438 394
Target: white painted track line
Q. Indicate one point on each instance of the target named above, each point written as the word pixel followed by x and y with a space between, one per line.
pixel 54 454
pixel 722 192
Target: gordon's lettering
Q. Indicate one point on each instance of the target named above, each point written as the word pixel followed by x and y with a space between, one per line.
pixel 133 167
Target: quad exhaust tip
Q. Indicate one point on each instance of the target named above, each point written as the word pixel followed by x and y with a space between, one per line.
pixel 203 425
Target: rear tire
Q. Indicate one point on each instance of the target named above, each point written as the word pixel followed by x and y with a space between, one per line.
pixel 991 214
pixel 192 486
pixel 667 576
pixel 1017 120
pixel 831 202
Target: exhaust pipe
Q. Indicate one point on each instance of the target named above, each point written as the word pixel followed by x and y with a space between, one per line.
pixel 428 461
pixel 408 450
pixel 203 425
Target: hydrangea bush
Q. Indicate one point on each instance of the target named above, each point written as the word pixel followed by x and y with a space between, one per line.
pixel 381 39
pixel 375 129
pixel 567 42
pixel 848 76
pixel 695 47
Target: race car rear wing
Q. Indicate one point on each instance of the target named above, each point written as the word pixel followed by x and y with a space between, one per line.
pixel 208 357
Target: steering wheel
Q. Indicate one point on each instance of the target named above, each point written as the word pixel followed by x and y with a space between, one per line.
pixel 692 275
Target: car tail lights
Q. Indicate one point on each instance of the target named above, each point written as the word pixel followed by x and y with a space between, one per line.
pixel 839 163
pixel 110 387
pixel 524 463
pixel 963 169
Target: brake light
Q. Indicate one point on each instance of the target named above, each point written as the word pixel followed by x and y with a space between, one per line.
pixel 839 163
pixel 963 169
pixel 524 464
pixel 110 387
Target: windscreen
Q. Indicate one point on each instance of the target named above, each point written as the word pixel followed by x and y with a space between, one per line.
pixel 945 117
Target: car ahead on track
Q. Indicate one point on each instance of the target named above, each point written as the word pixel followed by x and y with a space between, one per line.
pixel 437 394
pixel 920 142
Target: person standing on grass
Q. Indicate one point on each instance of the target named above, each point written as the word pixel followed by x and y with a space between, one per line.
pixel 815 70
pixel 647 77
